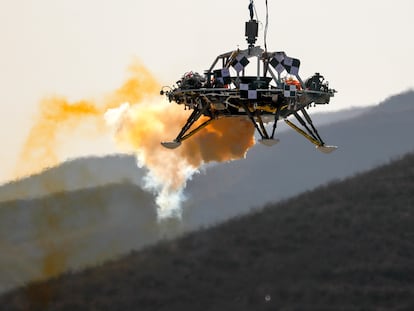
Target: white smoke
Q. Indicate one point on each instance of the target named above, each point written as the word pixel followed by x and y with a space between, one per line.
pixel 169 193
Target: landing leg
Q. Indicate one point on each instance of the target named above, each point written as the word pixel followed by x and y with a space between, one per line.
pixel 272 141
pixel 312 134
pixel 251 117
pixel 195 115
pixel 265 139
pixel 277 115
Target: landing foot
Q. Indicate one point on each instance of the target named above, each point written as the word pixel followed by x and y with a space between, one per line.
pixel 269 142
pixel 326 149
pixel 171 144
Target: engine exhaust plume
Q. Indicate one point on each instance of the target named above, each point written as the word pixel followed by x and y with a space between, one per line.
pixel 141 120
pixel 143 126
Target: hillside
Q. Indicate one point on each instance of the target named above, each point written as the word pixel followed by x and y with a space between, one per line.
pixel 43 237
pixel 345 246
pixel 74 174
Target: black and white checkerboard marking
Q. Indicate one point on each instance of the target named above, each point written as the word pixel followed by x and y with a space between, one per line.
pixel 240 62
pixel 223 75
pixel 289 90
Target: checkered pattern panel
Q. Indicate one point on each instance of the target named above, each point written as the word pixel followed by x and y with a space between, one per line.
pixel 277 61
pixel 289 90
pixel 291 65
pixel 248 91
pixel 240 62
pixel 223 75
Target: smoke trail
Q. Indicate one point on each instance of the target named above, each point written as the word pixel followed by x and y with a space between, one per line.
pixel 145 125
pixel 40 148
pixel 57 116
pixel 141 123
pixel 53 125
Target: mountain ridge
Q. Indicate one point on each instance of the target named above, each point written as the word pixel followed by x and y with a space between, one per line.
pixel 346 245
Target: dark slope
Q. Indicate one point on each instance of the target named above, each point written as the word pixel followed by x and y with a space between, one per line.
pixel 43 237
pixel 73 175
pixel 345 246
pixel 293 165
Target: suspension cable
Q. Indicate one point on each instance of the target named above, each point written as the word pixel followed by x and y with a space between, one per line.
pixel 266 26
pixel 253 13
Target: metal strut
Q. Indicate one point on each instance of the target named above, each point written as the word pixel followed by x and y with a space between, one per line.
pixel 313 136
pixel 302 132
pixel 277 115
pixel 303 123
pixel 201 126
pixel 263 134
pixel 195 115
pixel 309 120
pixel 259 118
pixel 261 129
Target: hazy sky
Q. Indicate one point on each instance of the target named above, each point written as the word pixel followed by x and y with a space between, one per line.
pixel 81 49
